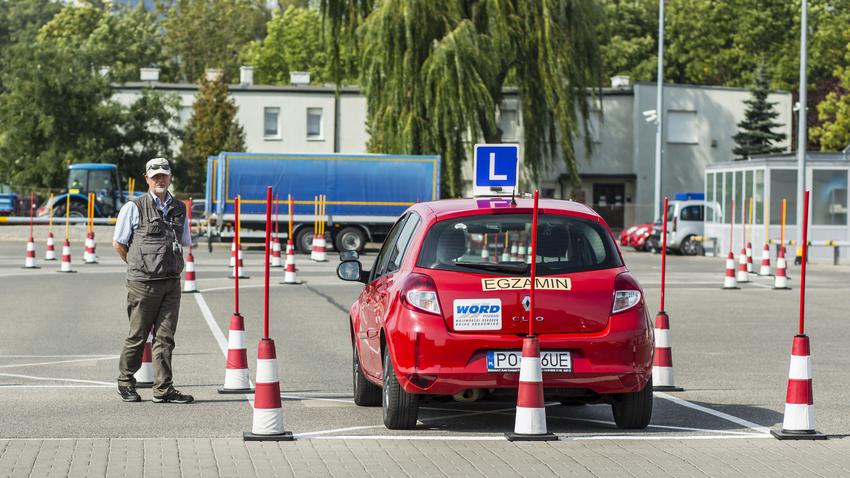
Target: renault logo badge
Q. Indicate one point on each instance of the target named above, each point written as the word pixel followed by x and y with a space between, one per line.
pixel 526 303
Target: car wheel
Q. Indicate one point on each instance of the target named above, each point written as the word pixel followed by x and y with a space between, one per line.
pixel 400 408
pixel 350 239
pixel 633 410
pixel 76 210
pixel 304 240
pixel 366 393
pixel 689 246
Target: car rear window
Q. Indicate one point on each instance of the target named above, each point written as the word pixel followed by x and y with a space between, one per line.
pixel 495 243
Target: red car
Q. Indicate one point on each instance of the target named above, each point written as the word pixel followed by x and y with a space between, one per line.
pixel 440 316
pixel 637 239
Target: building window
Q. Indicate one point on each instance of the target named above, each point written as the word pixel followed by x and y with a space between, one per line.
pixel 508 124
pixel 271 122
pixel 783 185
pixel 829 197
pixel 314 123
pixel 682 127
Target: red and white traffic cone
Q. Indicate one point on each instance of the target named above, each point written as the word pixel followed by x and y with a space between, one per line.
pixel 514 252
pixel 144 376
pixel 781 280
pixel 268 413
pixel 321 254
pixel 29 261
pixel 50 253
pixel 729 281
pixel 66 257
pixel 742 267
pixel 89 256
pixel 238 269
pixel 749 257
pixel 236 376
pixel 485 254
pixel 289 273
pixel 313 247
pixel 275 256
pixel 764 270
pixel 506 255
pixel 529 257
pixel 662 364
pixel 189 284
pixel 530 421
pixel 521 252
pixel 799 420
pixel 233 253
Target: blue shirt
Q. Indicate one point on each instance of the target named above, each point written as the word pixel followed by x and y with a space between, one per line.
pixel 128 221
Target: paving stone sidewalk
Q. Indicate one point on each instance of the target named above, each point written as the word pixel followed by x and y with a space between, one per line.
pixel 204 457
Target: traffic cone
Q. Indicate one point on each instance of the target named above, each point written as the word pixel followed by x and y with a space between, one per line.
pixel 144 376
pixel 50 253
pixel 764 270
pixel 314 248
pixel 529 257
pixel 29 261
pixel 321 254
pixel 530 421
pixel 749 257
pixel 238 270
pixel 275 256
pixel 729 281
pixel 233 253
pixel 662 364
pixel 506 256
pixel 289 272
pixel 236 376
pixel 521 252
pixel 66 257
pixel 781 280
pixel 485 254
pixel 268 413
pixel 89 256
pixel 799 420
pixel 742 267
pixel 189 284
pixel 514 250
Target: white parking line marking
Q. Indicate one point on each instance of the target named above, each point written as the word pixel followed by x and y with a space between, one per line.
pixel 725 416
pixel 111 357
pixel 218 335
pixel 324 432
pixel 31 377
pixel 323 399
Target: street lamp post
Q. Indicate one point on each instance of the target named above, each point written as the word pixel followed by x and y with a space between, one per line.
pixel 656 203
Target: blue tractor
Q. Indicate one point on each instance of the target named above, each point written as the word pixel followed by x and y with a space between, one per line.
pixel 84 178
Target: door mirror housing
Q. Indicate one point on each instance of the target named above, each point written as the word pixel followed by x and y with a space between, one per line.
pixel 349 256
pixel 352 271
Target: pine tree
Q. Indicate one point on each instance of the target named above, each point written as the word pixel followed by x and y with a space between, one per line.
pixel 213 128
pixel 755 131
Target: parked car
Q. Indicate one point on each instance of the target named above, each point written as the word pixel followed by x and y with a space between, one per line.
pixel 637 239
pixel 625 233
pixel 684 224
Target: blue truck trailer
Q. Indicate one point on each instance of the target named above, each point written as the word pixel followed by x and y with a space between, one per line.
pixel 365 193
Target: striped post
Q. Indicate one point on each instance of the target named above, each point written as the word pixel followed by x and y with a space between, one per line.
pixel 233 253
pixel 662 363
pixel 268 413
pixel 66 257
pixel 530 421
pixel 29 260
pixel 236 375
pixel 781 279
pixel 742 267
pixel 50 253
pixel 729 281
pixel 749 257
pixel 189 284
pixel 764 270
pixel 289 273
pixel 798 422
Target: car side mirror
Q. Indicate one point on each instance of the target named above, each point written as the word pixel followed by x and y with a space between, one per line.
pixel 349 256
pixel 351 271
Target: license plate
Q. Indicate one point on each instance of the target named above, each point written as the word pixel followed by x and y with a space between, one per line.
pixel 508 361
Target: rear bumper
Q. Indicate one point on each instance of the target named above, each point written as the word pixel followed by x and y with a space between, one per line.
pixel 429 359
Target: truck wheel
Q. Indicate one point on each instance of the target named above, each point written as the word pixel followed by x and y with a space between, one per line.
pixel 366 393
pixel 400 408
pixel 304 240
pixel 633 410
pixel 350 239
pixel 76 210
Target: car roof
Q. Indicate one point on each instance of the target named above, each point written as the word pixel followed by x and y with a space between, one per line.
pixel 449 207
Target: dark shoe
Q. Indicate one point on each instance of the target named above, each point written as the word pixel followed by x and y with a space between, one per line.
pixel 174 396
pixel 128 394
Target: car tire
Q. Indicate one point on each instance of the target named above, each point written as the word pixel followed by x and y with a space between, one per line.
pixel 350 239
pixel 400 408
pixel 304 240
pixel 366 393
pixel 633 411
pixel 689 247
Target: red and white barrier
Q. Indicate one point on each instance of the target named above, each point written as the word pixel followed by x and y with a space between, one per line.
pixel 189 285
pixel 29 260
pixel 749 257
pixel 729 281
pixel 236 375
pixel 289 273
pixel 66 257
pixel 799 420
pixel 268 413
pixel 743 276
pixel 530 421
pixel 275 260
pixel 662 365
pixel 764 270
pixel 318 253
pixel 781 279
pixel 144 376
pixel 50 253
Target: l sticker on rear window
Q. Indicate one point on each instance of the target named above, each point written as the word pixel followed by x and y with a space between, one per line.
pixel 477 314
pixel 520 283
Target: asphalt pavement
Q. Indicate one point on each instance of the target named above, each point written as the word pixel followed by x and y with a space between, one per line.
pixel 60 335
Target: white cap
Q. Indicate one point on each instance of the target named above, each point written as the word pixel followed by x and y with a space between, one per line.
pixel 157 166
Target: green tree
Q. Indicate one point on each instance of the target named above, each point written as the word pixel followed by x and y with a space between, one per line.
pixel 148 128
pixel 756 131
pixel 201 34
pixel 213 128
pixel 433 72
pixel 833 132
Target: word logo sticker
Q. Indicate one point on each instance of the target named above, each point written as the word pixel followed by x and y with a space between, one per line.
pixel 478 314
pixel 524 283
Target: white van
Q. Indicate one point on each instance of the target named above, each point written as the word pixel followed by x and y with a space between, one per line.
pixel 684 223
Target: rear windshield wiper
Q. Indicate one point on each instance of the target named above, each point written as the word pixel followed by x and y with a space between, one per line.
pixel 515 268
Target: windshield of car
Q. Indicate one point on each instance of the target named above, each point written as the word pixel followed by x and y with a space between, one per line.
pixel 501 243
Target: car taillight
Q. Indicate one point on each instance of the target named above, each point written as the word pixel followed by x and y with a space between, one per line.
pixel 627 293
pixel 420 293
pixel 42 211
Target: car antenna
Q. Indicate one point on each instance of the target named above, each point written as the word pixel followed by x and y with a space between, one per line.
pixel 513 200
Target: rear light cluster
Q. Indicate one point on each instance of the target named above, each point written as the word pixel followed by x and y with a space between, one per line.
pixel 420 293
pixel 627 293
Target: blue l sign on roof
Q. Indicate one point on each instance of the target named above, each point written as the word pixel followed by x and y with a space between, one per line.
pixel 496 169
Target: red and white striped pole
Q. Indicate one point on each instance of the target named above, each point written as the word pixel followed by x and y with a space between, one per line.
pixel 29 260
pixel 662 365
pixel 236 375
pixel 799 420
pixel 268 412
pixel 530 421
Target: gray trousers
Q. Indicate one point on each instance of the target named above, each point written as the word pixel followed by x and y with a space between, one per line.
pixel 150 304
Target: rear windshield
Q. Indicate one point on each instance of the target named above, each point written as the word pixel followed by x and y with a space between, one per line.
pixel 501 243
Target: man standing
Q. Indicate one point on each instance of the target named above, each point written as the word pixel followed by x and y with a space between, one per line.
pixel 148 236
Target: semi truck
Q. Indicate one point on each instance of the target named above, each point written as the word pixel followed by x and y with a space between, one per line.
pixel 365 193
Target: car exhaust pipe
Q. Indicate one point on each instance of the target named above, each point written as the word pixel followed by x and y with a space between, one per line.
pixel 469 395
